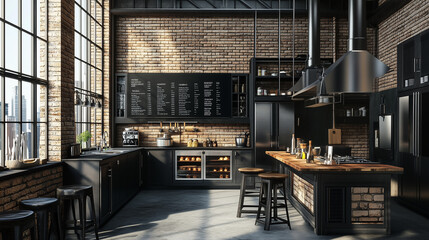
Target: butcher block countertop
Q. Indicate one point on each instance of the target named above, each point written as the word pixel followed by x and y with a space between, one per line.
pixel 302 166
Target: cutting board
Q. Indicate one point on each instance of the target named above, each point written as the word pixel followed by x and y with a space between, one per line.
pixel 334 136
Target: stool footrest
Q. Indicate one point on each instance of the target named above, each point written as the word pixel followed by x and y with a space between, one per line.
pixel 249 211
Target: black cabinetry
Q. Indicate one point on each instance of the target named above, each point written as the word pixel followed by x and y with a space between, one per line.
pixel 158 168
pixel 115 180
pixel 413 132
pixel 413 62
pixel 274 125
pixel 242 159
pixel 240 96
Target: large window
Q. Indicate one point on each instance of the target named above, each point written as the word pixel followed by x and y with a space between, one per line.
pixel 89 68
pixel 23 79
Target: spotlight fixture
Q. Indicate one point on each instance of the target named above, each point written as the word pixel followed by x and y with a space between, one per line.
pixel 92 102
pixel 78 100
pixel 86 103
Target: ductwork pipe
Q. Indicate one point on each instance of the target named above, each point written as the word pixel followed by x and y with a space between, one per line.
pixel 357 25
pixel 313 33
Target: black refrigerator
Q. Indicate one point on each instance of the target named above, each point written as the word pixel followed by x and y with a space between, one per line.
pixel 274 125
pixel 413 147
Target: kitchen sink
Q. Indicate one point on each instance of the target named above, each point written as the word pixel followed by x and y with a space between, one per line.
pixel 104 152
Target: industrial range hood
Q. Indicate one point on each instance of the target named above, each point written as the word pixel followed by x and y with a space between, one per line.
pixel 354 72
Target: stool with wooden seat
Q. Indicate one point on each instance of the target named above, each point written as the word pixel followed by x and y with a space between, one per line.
pixel 80 193
pixel 14 223
pixel 44 208
pixel 247 173
pixel 270 182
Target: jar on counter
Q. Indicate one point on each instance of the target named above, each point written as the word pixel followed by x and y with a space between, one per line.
pixel 195 143
pixel 189 143
pixel 215 143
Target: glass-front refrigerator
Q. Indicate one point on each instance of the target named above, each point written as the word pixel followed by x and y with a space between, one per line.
pixel 218 165
pixel 203 165
pixel 189 165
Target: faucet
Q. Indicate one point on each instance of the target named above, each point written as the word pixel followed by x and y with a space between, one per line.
pixel 103 141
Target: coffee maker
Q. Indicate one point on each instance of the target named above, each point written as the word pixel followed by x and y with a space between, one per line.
pixel 130 137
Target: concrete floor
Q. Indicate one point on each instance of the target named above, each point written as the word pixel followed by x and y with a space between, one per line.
pixel 210 215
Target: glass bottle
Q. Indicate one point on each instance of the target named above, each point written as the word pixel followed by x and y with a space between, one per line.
pixel 309 153
pixel 292 147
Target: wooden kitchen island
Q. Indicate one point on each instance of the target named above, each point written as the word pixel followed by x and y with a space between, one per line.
pixel 339 199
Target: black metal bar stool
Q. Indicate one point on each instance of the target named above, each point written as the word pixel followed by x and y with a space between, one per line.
pixel 268 199
pixel 79 193
pixel 247 173
pixel 14 223
pixel 45 208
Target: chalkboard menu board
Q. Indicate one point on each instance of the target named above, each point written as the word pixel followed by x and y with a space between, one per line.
pixel 178 95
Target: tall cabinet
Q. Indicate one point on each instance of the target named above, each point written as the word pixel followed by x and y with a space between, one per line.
pixel 413 116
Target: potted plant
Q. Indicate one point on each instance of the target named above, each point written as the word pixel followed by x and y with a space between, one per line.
pixel 83 139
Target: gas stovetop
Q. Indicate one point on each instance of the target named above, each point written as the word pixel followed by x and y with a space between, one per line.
pixel 347 159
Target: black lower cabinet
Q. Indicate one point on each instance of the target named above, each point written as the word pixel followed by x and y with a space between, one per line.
pixel 114 180
pixel 424 184
pixel 159 171
pixel 158 168
pixel 409 179
pixel 242 159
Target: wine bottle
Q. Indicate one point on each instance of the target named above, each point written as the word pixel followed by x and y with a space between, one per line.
pixel 292 147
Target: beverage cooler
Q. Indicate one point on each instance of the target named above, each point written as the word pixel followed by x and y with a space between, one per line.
pixel 203 165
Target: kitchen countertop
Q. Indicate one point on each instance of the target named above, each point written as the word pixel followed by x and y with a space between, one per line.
pixel 196 148
pixel 302 166
pixel 96 156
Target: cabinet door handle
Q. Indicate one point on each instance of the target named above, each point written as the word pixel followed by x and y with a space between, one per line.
pixel 117 162
pixel 109 173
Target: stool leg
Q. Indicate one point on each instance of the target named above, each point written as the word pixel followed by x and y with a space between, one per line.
pixel 258 214
pixel 56 221
pixel 42 224
pixel 275 201
pixel 82 207
pixel 242 192
pixel 287 212
pixel 17 232
pixel 268 206
pixel 72 201
pixel 94 216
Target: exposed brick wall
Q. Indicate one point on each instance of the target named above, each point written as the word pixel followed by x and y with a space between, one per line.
pixel 61 78
pixel 42 183
pixel 303 191
pixel 405 23
pixel 224 134
pixel 355 136
pixel 367 205
pixel 185 43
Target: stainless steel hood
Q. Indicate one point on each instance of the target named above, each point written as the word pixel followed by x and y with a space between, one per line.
pixel 355 71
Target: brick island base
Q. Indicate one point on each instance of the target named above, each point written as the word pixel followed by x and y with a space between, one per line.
pixel 339 199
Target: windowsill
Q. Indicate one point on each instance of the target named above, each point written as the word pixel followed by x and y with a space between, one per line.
pixel 7 174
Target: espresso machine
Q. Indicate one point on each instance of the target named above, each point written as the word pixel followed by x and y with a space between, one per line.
pixel 130 137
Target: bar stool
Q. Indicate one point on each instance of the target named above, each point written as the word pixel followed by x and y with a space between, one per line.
pixel 14 223
pixel 268 199
pixel 80 193
pixel 247 172
pixel 44 208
